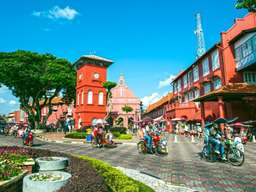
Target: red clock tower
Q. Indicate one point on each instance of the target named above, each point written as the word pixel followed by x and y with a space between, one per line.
pixel 90 94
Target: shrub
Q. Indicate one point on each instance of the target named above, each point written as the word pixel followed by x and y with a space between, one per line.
pixel 116 134
pixel 115 179
pixel 76 135
pixel 121 130
pixel 125 136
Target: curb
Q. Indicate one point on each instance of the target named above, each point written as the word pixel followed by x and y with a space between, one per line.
pixel 58 141
pixel 73 142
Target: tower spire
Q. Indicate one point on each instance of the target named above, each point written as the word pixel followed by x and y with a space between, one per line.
pixel 200 36
pixel 122 80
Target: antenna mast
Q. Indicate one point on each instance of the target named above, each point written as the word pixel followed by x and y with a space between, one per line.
pixel 200 36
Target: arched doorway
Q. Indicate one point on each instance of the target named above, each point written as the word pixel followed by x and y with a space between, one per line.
pixel 130 122
pixel 119 122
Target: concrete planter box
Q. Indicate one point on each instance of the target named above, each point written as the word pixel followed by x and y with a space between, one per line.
pixel 42 186
pixel 52 163
pixel 14 184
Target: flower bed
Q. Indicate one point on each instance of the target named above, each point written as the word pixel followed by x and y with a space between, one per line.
pixel 89 174
pixel 11 165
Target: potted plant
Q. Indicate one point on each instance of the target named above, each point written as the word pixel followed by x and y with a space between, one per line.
pixel 52 163
pixel 49 181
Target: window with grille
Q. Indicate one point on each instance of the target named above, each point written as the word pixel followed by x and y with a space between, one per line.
pixel 205 67
pixel 195 73
pixel 216 83
pixel 215 60
pixel 249 77
pixel 207 88
pixel 185 80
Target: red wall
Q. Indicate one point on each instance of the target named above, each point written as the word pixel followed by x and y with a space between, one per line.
pixel 248 22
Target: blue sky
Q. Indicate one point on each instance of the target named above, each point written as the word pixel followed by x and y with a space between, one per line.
pixel 149 40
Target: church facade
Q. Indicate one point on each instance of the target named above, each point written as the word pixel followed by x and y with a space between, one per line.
pixel 121 96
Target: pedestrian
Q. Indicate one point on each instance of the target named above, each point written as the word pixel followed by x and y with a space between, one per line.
pixel 65 124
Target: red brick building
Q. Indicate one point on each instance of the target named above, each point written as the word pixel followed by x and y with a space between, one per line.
pixel 220 82
pixel 90 94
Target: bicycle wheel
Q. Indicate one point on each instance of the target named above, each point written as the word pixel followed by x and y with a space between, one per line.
pixel 235 157
pixel 141 147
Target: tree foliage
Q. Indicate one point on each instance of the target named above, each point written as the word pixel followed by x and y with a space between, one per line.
pixel 127 109
pixel 36 79
pixel 108 85
pixel 250 5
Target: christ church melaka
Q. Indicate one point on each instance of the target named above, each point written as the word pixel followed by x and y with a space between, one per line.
pixel 91 96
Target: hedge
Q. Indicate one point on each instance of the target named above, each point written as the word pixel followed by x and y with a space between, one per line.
pixel 76 135
pixel 121 130
pixel 116 134
pixel 115 179
pixel 125 137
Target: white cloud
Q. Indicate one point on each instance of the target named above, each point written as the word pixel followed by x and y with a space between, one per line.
pixel 3 90
pixel 57 13
pixel 2 100
pixel 12 102
pixel 166 82
pixel 37 13
pixel 147 100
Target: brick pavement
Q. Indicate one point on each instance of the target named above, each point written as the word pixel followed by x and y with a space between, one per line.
pixel 182 166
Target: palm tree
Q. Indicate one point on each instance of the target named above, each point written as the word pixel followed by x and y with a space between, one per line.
pixel 108 85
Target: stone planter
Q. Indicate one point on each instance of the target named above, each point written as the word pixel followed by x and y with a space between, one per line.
pixel 30 185
pixel 52 163
pixel 14 184
pixel 28 165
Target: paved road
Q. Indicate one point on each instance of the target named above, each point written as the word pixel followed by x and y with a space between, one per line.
pixel 181 167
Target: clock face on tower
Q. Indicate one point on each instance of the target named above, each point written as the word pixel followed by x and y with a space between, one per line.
pixel 96 75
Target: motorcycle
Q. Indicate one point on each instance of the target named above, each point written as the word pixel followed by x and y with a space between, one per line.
pixel 234 152
pixel 159 145
pixel 28 140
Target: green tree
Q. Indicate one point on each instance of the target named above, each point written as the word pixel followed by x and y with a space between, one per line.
pixel 250 5
pixel 36 79
pixel 109 85
pixel 127 109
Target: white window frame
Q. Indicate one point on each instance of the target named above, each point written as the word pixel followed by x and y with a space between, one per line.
pixel 179 85
pixel 77 102
pixel 217 86
pixel 82 97
pixel 190 95
pixel 175 88
pixel 196 93
pixel 205 85
pixel 215 60
pixel 101 98
pixel 249 77
pixel 205 65
pixel 185 80
pixel 195 73
pixel 90 97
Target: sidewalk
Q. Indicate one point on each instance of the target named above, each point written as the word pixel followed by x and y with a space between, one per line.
pixel 60 138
